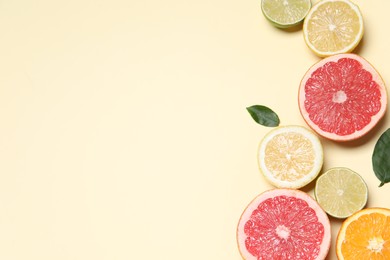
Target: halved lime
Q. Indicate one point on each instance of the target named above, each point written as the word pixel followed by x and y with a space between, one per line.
pixel 341 192
pixel 285 13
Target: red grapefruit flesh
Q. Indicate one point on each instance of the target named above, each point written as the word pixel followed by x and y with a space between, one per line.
pixel 342 97
pixel 283 224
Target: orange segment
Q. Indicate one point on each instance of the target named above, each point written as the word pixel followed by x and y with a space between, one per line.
pixel 365 235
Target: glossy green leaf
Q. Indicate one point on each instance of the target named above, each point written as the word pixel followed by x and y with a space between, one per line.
pixel 381 158
pixel 264 115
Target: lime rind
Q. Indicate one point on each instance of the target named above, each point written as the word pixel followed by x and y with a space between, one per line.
pixel 285 13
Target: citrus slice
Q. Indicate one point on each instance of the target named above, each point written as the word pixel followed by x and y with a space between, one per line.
pixel 342 97
pixel 283 224
pixel 365 235
pixel 285 13
pixel 333 27
pixel 290 156
pixel 341 192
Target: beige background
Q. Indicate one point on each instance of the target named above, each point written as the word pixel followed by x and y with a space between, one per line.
pixel 124 133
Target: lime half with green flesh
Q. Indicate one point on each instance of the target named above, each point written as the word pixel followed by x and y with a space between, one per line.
pixel 341 192
pixel 285 13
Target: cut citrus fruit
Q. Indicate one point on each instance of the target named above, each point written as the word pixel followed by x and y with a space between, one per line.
pixel 365 235
pixel 333 27
pixel 290 156
pixel 285 13
pixel 283 224
pixel 342 97
pixel 341 192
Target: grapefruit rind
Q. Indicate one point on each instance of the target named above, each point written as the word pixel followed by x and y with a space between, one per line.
pixel 346 49
pixel 321 215
pixel 342 232
pixel 317 148
pixel 374 119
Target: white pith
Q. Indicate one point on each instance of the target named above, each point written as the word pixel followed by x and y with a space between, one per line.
pixel 339 97
pixel 282 231
pixel 375 244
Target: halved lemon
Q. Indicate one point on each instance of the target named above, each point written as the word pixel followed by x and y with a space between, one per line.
pixel 285 13
pixel 341 192
pixel 333 27
pixel 290 156
pixel 365 235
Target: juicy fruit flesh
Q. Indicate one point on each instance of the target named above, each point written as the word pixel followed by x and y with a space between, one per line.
pixel 341 97
pixel 285 12
pixel 341 192
pixel 284 227
pixel 368 238
pixel 334 27
pixel 289 156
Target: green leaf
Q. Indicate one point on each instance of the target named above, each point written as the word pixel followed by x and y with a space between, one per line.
pixel 381 158
pixel 263 115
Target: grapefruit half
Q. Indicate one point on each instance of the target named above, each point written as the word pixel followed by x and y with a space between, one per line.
pixel 283 224
pixel 342 97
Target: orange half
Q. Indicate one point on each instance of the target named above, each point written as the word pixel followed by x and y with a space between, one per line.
pixel 365 235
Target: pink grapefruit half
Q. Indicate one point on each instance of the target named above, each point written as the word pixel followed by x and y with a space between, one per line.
pixel 342 97
pixel 283 224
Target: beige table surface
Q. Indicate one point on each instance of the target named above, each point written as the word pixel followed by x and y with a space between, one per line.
pixel 123 128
